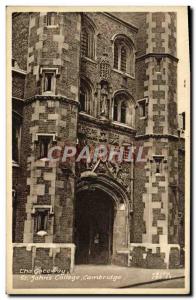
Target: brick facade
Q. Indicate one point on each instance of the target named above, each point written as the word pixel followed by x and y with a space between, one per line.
pixel 147 202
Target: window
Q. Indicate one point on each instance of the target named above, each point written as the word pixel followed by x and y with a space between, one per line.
pixel 44 143
pixel 49 80
pixel 124 55
pixel 42 215
pixel 142 107
pixel 183 121
pixel 123 112
pixel 82 99
pixel 85 97
pixel 158 159
pixel 116 56
pixel 87 38
pixel 84 43
pixel 123 59
pixel 51 19
pixel 158 166
pixel 41 220
pixel 123 109
pixel 16 134
pixel 115 117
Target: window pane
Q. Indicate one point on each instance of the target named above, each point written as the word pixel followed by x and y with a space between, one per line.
pixel 85 97
pixel 41 220
pixel 44 143
pixel 158 167
pixel 84 43
pixel 15 141
pixel 82 101
pixel 158 164
pixel 115 117
pixel 51 18
pixel 123 113
pixel 143 109
pixel 123 59
pixel 115 56
pixel 48 82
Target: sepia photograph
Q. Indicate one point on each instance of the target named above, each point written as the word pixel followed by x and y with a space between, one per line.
pixel 98 122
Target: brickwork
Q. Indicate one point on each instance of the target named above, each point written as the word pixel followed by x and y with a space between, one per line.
pixel 106 29
pixel 18 83
pixel 22 260
pixel 173 193
pixel 148 258
pixel 181 189
pixel 56 47
pixel 43 174
pixel 20 31
pixel 154 256
pixel 39 259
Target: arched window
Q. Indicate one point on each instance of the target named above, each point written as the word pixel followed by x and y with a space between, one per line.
pixel 123 109
pixel 115 116
pixel 82 99
pixel 123 112
pixel 115 56
pixel 123 59
pixel 84 42
pixel 124 55
pixel 87 39
pixel 85 97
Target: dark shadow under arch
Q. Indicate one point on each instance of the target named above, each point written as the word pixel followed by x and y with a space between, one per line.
pixel 101 219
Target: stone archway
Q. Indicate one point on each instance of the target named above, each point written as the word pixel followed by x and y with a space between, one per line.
pixel 101 220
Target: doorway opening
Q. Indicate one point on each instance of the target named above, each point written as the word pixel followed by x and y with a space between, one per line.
pixel 94 218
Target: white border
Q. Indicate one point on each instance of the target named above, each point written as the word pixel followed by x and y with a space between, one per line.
pixel 3 4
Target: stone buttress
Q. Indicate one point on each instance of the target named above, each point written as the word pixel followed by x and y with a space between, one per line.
pixel 156 241
pixel 50 114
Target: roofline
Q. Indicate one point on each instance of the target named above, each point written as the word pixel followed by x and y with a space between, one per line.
pixel 129 25
pixel 110 15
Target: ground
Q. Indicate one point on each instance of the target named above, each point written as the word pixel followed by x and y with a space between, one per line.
pixel 177 283
pixel 91 276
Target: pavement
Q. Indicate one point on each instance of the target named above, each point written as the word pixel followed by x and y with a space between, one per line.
pixel 177 283
pixel 110 276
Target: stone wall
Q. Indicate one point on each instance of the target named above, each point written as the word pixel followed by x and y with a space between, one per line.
pixel 20 32
pixel 106 30
pixel 155 256
pixel 181 187
pixel 54 47
pixel 18 83
pixel 46 183
pixel 43 259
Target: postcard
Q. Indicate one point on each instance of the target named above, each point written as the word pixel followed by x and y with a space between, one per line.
pixel 98 143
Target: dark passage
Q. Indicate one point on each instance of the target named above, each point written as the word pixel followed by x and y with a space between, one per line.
pixel 93 227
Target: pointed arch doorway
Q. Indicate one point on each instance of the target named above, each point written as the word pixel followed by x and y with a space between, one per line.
pixel 94 227
pixel 101 221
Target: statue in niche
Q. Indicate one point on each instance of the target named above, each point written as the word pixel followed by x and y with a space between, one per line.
pixel 104 109
pixel 104 76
